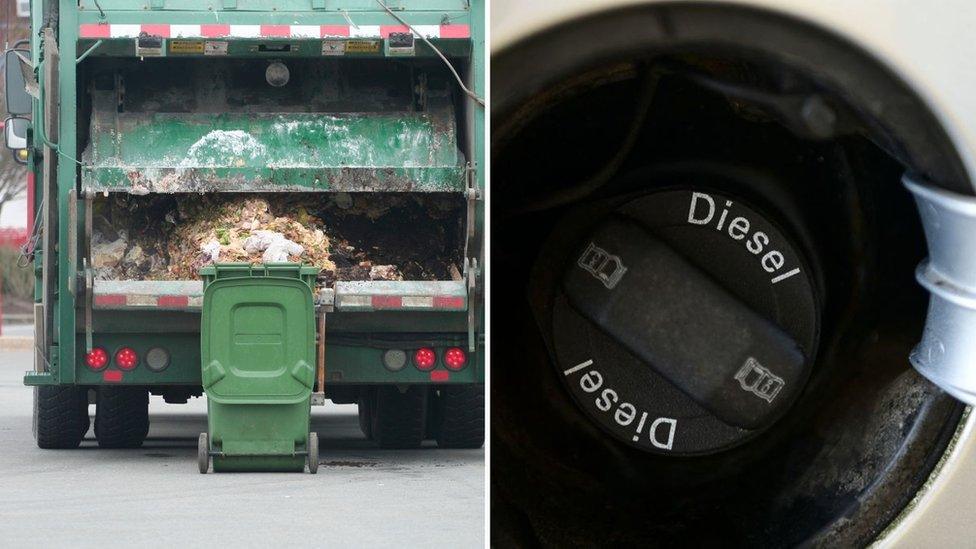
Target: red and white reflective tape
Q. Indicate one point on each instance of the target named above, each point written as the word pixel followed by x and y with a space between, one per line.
pixel 143 301
pixel 401 303
pixel 113 30
pixel 358 302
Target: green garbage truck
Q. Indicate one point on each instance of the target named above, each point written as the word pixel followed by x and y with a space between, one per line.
pixel 164 138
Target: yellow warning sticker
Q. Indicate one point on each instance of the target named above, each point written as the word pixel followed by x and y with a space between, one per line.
pixel 363 46
pixel 185 46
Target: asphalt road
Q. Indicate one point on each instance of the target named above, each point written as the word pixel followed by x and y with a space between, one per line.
pixel 154 496
pixel 18 329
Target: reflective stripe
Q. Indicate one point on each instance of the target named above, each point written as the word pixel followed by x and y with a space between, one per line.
pixel 275 31
pixel 428 31
pixel 354 301
pixel 135 300
pixel 121 301
pixel 448 302
pixel 104 30
pixel 334 30
pixel 344 301
pixel 109 300
pixel 155 30
pixel 365 31
pixel 387 302
pixel 245 31
pixel 185 31
pixel 386 30
pixel 306 31
pixel 455 31
pixel 174 301
pixel 416 301
pixel 98 30
pixel 395 302
pixel 124 31
pixel 214 31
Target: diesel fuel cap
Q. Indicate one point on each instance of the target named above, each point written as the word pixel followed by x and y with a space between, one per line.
pixel 684 322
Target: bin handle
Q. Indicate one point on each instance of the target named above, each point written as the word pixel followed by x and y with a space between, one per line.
pixel 213 373
pixel 303 373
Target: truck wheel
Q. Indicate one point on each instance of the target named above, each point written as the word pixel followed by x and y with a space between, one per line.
pixel 313 452
pixel 366 405
pixel 60 416
pixel 122 417
pixel 398 418
pixel 461 409
pixel 203 453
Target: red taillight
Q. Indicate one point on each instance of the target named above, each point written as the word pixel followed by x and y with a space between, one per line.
pixel 126 358
pixel 455 358
pixel 425 359
pixel 96 359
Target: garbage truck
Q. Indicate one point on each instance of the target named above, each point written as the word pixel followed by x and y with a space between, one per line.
pixel 164 137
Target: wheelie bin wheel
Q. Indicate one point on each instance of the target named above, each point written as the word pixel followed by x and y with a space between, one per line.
pixel 121 417
pixel 60 416
pixel 461 410
pixel 203 453
pixel 313 452
pixel 398 418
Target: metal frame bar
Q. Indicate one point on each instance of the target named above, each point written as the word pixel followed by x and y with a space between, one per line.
pixel 67 182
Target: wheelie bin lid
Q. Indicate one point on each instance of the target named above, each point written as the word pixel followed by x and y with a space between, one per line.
pixel 257 333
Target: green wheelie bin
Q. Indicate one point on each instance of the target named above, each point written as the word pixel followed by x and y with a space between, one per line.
pixel 257 337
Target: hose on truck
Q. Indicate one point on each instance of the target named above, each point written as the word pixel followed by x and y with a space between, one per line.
pixel 474 96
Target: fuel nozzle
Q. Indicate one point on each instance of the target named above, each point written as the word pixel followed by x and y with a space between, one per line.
pixel 945 353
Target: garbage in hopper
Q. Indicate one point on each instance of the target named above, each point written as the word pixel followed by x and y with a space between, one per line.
pixel 362 238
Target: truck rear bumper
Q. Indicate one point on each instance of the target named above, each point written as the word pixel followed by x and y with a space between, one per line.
pixel 350 359
pixel 187 295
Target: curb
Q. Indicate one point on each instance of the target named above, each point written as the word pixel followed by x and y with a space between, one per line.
pixel 16 343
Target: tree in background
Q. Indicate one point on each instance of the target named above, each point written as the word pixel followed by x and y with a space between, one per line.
pixel 13 176
pixel 13 180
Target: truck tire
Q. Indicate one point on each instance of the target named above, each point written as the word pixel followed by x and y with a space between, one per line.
pixel 366 405
pixel 60 416
pixel 399 418
pixel 461 410
pixel 122 417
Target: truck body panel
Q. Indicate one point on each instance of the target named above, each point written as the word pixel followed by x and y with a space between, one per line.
pixel 87 142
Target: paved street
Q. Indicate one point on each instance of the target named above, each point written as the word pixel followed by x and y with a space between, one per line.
pixel 154 496
pixel 18 330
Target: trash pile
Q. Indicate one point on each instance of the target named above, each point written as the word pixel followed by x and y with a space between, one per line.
pixel 367 236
